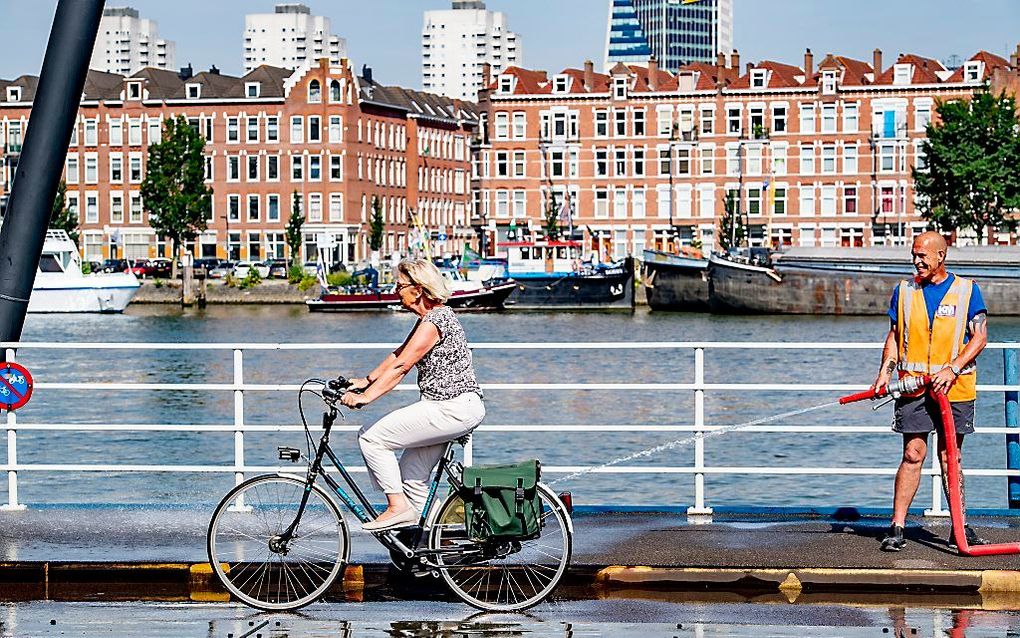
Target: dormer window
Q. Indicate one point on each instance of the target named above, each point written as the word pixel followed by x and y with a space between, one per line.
pixel 506 84
pixel 902 74
pixel 759 78
pixel 252 89
pixel 193 91
pixel 561 84
pixel 828 82
pixel 14 94
pixel 620 88
pixel 134 90
pixel 972 71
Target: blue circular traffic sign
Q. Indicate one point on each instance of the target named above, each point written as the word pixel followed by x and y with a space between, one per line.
pixel 15 386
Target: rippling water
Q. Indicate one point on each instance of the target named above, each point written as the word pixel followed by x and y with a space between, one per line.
pixel 517 407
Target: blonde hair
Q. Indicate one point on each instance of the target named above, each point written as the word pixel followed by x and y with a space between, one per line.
pixel 424 273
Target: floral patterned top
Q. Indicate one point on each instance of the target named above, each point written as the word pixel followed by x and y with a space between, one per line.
pixel 445 372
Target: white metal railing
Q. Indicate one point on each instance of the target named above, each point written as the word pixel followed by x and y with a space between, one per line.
pixel 238 387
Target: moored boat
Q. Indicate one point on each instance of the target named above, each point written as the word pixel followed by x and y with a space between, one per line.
pixel 467 295
pixel 851 281
pixel 60 285
pixel 551 275
pixel 676 281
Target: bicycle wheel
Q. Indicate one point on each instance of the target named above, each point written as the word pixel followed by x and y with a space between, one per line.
pixel 258 570
pixel 506 576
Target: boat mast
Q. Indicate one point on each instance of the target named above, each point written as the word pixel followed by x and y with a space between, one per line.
pixel 54 110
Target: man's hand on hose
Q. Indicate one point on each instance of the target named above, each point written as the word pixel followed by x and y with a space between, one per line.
pixel 884 374
pixel 942 380
pixel 353 400
pixel 359 384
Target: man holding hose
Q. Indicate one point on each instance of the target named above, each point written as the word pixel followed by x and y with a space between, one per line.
pixel 939 327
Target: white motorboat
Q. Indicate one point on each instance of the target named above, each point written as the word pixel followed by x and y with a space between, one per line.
pixel 60 285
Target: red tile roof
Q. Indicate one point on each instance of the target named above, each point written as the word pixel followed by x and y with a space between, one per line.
pixel 991 61
pixel 781 76
pixel 925 70
pixel 854 72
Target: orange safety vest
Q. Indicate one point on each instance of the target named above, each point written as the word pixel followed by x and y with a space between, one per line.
pixel 926 349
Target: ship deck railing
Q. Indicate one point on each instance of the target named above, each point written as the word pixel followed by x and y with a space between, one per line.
pixel 696 384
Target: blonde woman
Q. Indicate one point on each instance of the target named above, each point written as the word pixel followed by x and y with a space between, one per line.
pixel 450 404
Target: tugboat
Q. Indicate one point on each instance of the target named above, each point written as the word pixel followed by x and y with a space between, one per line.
pixel 550 274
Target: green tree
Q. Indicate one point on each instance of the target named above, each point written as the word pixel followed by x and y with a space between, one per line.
pixel 378 226
pixel 294 225
pixel 61 218
pixel 552 220
pixel 731 226
pixel 970 178
pixel 174 191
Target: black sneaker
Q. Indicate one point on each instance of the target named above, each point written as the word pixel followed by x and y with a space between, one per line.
pixel 893 541
pixel 972 537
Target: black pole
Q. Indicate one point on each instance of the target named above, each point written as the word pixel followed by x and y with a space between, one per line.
pixel 42 161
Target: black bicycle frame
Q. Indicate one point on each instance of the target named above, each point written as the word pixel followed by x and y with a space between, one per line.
pixel 362 508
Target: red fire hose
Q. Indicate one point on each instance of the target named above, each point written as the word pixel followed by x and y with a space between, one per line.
pixel 907 386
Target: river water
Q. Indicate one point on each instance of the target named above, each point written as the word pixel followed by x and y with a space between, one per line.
pixel 248 324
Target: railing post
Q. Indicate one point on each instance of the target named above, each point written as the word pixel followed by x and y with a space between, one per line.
pixel 936 489
pixel 699 443
pixel 239 428
pixel 1011 376
pixel 12 455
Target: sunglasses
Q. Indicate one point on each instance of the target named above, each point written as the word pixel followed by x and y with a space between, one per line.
pixel 402 286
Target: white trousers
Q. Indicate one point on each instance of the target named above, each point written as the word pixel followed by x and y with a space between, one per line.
pixel 422 430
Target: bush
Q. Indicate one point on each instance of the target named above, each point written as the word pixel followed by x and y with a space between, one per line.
pixel 338 279
pixel 158 283
pixel 86 268
pixel 251 280
pixel 296 274
pixel 307 282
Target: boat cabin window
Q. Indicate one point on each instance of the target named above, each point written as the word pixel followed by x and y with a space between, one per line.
pixel 49 263
pixel 561 252
pixel 525 252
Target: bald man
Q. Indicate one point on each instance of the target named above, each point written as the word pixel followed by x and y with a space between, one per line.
pixel 939 327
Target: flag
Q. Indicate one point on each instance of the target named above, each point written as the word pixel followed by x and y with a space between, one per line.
pixel 566 213
pixel 320 273
pixel 469 256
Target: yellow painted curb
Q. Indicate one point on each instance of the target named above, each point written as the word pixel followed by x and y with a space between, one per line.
pixel 999 580
pixel 354 576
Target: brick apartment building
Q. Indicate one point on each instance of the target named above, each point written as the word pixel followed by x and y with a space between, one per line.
pixel 336 139
pixel 815 155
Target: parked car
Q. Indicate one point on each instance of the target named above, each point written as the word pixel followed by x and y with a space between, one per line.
pixel 137 267
pixel 114 265
pixel 221 270
pixel 242 268
pixel 207 264
pixel 311 268
pixel 159 267
pixel 94 266
pixel 278 268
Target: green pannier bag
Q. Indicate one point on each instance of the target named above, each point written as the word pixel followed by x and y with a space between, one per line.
pixel 501 502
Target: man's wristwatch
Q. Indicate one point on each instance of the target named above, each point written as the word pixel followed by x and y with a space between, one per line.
pixel 956 370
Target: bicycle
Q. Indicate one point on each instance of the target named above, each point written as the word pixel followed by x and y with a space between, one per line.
pixel 279 541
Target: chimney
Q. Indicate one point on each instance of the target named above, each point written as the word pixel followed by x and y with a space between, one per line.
pixel 589 75
pixel 213 70
pixel 720 72
pixel 735 60
pixel 653 74
pixel 749 66
pixel 186 73
pixel 809 64
pixel 366 72
pixel 876 62
pixel 486 75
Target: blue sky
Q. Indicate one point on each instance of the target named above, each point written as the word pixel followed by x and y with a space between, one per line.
pixel 555 33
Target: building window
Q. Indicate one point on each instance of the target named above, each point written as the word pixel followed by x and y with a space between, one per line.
pixel 639 162
pixel 336 168
pixel 620 202
pixel 314 92
pixel 71 169
pixel 850 160
pixel 829 159
pixel 779 201
pixel 297 168
pixel 520 126
pixel 779 159
pixel 92 168
pixel 314 128
pixel 208 168
pixel 665 161
pixel 663 201
pixel 116 132
pixel 502 203
pixel 779 119
pixel 887 158
pixel 519 164
pixel 506 84
pixel 254 246
pixel 619 88
pixel 828 118
pixel 193 91
pixel 707 160
pixel 91 132
pixel 91 208
pixel 601 203
pixel 664 121
pixel 336 129
pixel 297 130
pixel 502 126
pixel 335 92
pixel 707 120
pixel 136 208
pixel 732 161
pixel 620 123
pixel 850 200
pixel 754 201
pixel 315 207
pixel 116 169
pixel 272 168
pixel 252 131
pixel 520 203
pixel 273 207
pixel 233 168
pixel 828 200
pixel 601 123
pixel 253 168
pixel 807 118
pixel 134 90
pixel 116 208
pixel 902 74
pixel 234 208
pixel 754 163
pixel 887 198
pixel 972 71
pixel 252 89
pixel 502 164
pixel 807 200
pixel 807 160
pixel 850 118
pixel 922 117
pixel 828 82
pixel 272 129
pixel 638 203
pixel 561 84
pixel 733 120
pixel 253 208
pixel 601 162
pixel 639 122
pixel 758 78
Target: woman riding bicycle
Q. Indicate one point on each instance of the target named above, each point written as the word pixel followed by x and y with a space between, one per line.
pixel 450 404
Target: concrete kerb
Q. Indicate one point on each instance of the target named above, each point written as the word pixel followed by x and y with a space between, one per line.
pixel 791 582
